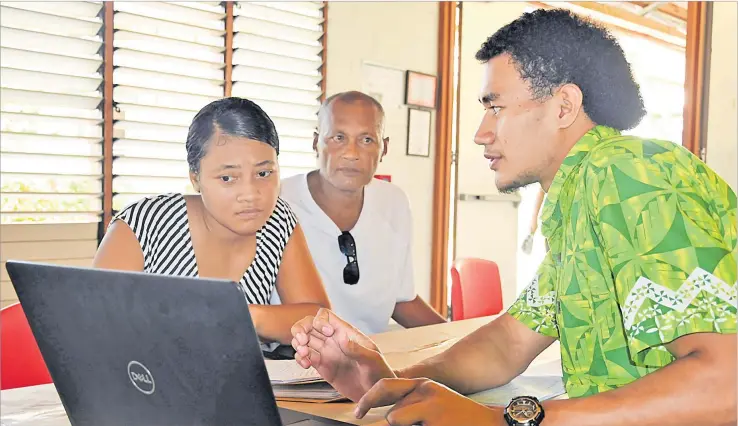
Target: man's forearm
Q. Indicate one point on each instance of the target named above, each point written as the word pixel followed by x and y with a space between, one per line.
pixel 690 391
pixel 487 358
pixel 459 369
pixel 416 313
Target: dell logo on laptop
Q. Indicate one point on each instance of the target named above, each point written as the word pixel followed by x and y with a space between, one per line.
pixel 141 377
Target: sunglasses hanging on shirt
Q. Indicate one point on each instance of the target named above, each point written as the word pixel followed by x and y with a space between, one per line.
pixel 348 247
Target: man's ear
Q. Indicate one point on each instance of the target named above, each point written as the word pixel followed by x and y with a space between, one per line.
pixel 384 150
pixel 315 142
pixel 195 180
pixel 569 104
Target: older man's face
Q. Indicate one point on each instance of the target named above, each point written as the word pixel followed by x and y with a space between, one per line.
pixel 349 144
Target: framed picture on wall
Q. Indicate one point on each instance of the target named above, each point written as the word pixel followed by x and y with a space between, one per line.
pixel 420 90
pixel 418 132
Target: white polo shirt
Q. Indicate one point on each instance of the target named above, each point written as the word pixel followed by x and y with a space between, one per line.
pixel 383 236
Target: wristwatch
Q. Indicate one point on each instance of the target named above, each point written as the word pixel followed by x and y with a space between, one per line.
pixel 524 411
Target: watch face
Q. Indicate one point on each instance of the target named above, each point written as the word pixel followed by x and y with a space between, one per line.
pixel 523 409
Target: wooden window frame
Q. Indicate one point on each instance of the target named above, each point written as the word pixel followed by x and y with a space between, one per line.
pixel 697 77
pixel 442 166
pixel 324 53
pixel 228 71
pixel 108 111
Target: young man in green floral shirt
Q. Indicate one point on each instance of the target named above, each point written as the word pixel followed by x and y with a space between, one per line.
pixel 639 284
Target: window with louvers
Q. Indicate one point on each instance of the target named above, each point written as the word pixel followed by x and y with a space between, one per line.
pixel 51 123
pixel 169 63
pixel 277 63
pixel 51 133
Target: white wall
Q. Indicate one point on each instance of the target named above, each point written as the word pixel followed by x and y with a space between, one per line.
pixel 72 244
pixel 404 36
pixel 722 134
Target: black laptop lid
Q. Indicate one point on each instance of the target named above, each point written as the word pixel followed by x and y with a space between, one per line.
pixel 127 348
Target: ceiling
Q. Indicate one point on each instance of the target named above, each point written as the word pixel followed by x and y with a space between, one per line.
pixel 672 14
pixel 665 21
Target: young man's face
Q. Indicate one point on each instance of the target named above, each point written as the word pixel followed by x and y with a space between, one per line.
pixel 518 132
pixel 350 144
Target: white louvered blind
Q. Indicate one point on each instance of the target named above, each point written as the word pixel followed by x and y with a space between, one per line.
pixel 50 120
pixel 169 61
pixel 50 133
pixel 277 64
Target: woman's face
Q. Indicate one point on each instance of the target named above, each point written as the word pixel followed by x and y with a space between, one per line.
pixel 239 182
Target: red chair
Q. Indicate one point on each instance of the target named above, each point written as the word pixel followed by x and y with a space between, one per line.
pixel 476 289
pixel 21 363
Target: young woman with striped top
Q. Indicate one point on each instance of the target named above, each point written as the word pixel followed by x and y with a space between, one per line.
pixel 235 228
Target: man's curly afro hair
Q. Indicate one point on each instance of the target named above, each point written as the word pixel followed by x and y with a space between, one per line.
pixel 550 48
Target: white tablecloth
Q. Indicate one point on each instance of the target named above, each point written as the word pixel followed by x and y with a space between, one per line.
pixel 34 405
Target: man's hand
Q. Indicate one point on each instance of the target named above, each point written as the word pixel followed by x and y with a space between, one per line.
pixel 422 401
pixel 346 358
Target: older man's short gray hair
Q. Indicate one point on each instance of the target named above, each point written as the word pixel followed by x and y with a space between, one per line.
pixel 350 97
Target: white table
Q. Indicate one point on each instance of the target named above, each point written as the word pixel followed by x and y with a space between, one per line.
pixel 41 406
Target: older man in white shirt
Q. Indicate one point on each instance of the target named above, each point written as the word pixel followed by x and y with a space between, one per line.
pixel 359 229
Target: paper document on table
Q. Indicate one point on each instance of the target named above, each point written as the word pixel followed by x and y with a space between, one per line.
pixel 544 368
pixel 287 371
pixel 542 387
pixel 306 392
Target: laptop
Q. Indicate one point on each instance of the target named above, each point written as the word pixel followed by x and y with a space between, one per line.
pixel 130 348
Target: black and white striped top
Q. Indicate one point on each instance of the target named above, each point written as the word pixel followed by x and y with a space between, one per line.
pixel 162 229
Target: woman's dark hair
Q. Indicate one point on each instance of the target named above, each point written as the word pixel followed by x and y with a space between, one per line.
pixel 550 48
pixel 228 116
